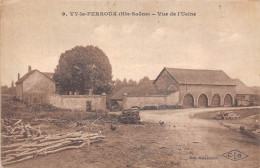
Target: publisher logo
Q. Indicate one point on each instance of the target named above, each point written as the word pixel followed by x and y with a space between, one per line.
pixel 235 155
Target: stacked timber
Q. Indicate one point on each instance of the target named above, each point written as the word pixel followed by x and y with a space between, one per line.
pixel 14 130
pixel 43 145
pixel 130 116
pixel 21 141
pixel 227 115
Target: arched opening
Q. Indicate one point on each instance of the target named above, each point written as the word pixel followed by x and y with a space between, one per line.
pixel 188 101
pixel 228 100
pixel 215 101
pixel 203 101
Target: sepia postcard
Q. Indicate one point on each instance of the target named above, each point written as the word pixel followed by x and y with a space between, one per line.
pixel 130 84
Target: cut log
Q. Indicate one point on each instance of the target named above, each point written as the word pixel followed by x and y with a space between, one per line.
pixel 72 135
pixel 65 148
pixel 43 145
pixel 7 162
pixel 22 154
pixel 15 161
pixel 3 153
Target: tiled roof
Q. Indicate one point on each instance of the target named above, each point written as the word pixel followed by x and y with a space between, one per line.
pixel 47 74
pixel 241 88
pixel 140 90
pixel 201 77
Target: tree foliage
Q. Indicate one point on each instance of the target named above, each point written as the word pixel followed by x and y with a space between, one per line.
pixel 119 84
pixel 144 80
pixel 83 70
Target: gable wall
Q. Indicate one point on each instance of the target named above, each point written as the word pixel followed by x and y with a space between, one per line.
pixel 37 82
pixel 164 81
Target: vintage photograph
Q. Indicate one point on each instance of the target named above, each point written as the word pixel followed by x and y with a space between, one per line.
pixel 130 84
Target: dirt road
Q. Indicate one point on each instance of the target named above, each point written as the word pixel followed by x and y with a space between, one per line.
pixel 202 142
pixel 183 141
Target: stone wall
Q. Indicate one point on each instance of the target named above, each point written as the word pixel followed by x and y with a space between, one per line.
pixel 209 91
pixel 244 100
pixel 35 97
pixel 151 100
pixel 78 102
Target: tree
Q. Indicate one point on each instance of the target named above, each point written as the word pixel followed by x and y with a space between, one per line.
pixel 131 82
pixel 118 84
pixel 84 70
pixel 124 83
pixel 144 80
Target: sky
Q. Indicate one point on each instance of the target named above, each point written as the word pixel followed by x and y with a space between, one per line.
pixel 222 36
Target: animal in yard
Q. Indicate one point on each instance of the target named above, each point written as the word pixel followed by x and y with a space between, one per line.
pixel 113 128
pixel 161 123
pixel 242 128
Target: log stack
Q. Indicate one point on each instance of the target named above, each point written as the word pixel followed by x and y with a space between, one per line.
pixel 43 145
pixel 14 130
pixel 21 141
pixel 130 116
pixel 227 115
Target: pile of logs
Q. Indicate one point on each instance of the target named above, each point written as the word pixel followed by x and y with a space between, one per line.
pixel 130 116
pixel 227 115
pixel 21 142
pixel 46 144
pixel 14 130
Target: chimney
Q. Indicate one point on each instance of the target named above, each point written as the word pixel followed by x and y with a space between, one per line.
pixel 29 68
pixel 18 76
pixel 12 85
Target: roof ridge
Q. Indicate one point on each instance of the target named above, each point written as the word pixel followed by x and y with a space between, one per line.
pixel 28 74
pixel 199 76
pixel 47 72
pixel 195 69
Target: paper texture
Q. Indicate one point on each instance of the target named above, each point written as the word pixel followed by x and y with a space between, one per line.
pixel 203 45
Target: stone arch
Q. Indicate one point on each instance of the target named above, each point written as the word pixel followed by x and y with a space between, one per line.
pixel 188 101
pixel 216 100
pixel 228 100
pixel 203 100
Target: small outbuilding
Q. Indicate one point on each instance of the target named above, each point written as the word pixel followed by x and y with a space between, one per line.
pixel 144 89
pixel 244 95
